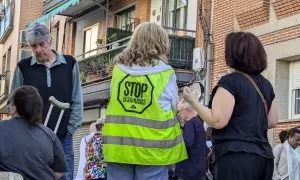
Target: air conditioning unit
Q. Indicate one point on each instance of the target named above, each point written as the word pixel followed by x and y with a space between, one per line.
pixel 23 38
pixel 198 59
pixel 25 53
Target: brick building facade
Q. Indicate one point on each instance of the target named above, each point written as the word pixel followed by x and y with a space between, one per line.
pixel 276 23
pixel 12 47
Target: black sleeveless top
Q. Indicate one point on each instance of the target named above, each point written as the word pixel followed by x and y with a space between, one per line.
pixel 248 126
pixel 61 88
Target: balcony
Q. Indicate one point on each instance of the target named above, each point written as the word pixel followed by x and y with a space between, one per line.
pixel 77 7
pixel 120 28
pixel 49 4
pixel 98 67
pixel 6 24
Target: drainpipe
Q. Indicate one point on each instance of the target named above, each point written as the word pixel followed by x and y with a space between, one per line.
pixel 164 13
pixel 107 17
pixel 209 58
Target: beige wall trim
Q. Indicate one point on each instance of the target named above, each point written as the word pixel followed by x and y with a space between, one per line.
pixel 276 25
pixel 288 121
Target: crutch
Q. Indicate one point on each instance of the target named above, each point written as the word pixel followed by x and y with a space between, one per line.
pixel 62 106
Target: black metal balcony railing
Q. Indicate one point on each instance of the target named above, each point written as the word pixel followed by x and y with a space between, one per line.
pixel 99 66
pixel 121 28
pixel 6 24
pixel 181 51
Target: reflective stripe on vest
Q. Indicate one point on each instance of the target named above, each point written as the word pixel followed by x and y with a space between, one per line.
pixel 141 122
pixel 142 142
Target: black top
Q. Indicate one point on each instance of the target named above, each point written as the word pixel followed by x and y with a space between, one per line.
pixel 33 151
pixel 248 126
pixel 195 140
pixel 61 88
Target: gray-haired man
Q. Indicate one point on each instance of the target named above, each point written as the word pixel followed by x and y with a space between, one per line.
pixel 53 75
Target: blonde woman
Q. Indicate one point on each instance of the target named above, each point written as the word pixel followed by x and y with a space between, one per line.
pixel 141 135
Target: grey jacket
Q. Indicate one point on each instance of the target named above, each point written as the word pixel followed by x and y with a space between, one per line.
pixel 280 163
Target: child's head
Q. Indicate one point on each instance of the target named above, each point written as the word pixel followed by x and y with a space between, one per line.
pixel 294 137
pixel 27 102
pixel 149 43
pixel 99 124
pixel 283 136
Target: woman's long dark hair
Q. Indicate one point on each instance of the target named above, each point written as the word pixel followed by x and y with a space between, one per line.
pixel 28 103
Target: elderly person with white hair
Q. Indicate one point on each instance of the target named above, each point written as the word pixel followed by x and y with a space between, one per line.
pixel 55 75
pixel 97 170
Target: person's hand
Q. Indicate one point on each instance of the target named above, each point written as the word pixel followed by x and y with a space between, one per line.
pixel 189 96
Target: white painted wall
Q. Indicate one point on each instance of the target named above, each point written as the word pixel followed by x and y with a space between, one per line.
pixel 156 11
pixel 91 115
pixel 88 20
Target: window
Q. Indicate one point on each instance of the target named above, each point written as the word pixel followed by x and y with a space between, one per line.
pixel 6 3
pixel 297 102
pixel 177 14
pixel 295 89
pixel 125 19
pixel 90 36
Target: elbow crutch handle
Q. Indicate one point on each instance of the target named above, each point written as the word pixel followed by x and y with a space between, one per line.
pixel 59 104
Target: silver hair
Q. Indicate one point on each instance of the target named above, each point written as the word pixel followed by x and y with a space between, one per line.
pixel 37 33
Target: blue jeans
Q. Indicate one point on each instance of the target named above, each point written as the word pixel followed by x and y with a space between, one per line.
pixel 136 172
pixel 67 144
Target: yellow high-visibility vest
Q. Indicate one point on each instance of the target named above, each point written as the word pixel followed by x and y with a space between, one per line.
pixel 137 130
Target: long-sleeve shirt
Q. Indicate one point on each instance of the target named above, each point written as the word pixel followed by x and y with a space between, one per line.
pixel 77 99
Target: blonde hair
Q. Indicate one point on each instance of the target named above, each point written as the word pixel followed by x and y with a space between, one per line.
pixel 149 43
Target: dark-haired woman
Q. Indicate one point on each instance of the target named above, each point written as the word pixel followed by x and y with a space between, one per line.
pixel 241 112
pixel 26 146
pixel 287 157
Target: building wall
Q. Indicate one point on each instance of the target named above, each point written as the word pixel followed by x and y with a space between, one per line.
pixel 277 24
pixel 84 22
pixel 206 10
pixel 282 87
pixel 142 8
pixel 69 37
pixel 58 24
pixel 156 11
pixel 30 11
pixel 73 42
pixel 12 42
